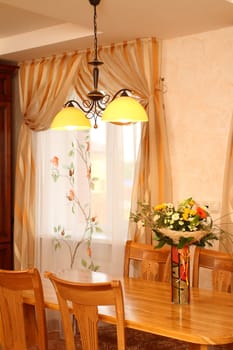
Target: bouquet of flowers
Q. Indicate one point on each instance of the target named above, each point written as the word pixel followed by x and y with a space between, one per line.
pixel 187 224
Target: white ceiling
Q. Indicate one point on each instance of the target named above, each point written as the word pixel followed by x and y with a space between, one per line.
pixel 32 29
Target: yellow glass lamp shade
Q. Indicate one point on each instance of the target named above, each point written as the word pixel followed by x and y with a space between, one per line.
pixel 123 110
pixel 70 118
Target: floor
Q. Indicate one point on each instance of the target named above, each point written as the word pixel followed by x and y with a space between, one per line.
pixel 57 343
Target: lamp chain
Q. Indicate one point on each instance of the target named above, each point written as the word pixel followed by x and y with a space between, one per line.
pixel 95 34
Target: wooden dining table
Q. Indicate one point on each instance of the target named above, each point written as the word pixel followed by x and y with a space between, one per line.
pixel 207 320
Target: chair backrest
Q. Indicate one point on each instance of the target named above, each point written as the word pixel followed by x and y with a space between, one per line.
pixel 13 312
pixel 85 299
pixel 148 262
pixel 220 264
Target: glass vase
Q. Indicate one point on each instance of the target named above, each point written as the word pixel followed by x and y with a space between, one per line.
pixel 180 275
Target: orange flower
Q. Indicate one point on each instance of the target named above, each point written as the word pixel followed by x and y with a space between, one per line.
pixel 89 172
pixel 71 195
pixel 88 146
pixel 71 172
pixel 89 252
pixel 55 161
pixel 201 212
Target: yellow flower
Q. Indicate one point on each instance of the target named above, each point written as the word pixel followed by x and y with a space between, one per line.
pixel 193 212
pixel 191 202
pixel 160 207
pixel 186 214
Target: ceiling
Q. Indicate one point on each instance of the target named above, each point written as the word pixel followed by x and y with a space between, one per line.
pixel 32 29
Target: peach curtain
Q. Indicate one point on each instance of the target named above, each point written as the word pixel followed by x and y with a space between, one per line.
pixel 227 199
pixel 125 65
pixel 153 181
pixel 44 85
pixel 135 65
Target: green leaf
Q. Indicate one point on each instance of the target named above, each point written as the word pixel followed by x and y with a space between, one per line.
pixel 94 179
pixel 84 263
pixel 160 244
pixel 57 245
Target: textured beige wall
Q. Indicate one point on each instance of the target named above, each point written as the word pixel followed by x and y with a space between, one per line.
pixel 198 72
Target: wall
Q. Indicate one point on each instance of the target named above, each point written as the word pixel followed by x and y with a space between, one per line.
pixel 198 72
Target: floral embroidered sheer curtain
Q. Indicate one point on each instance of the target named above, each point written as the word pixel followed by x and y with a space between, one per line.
pixel 63 212
pixel 83 202
pixel 44 86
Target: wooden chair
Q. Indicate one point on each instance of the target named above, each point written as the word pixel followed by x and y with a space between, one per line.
pixel 15 334
pixel 85 299
pixel 143 261
pixel 147 262
pixel 220 264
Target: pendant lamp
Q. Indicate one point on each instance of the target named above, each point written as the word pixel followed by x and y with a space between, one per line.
pixel 120 109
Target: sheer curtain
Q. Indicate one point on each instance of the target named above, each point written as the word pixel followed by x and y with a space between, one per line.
pixel 62 197
pixel 62 173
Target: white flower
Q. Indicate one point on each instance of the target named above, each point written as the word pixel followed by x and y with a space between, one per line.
pixel 140 224
pixel 175 216
pixel 170 205
pixel 156 217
